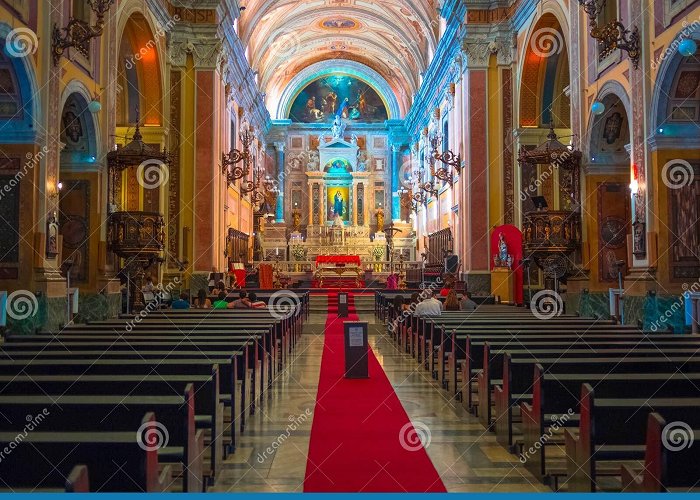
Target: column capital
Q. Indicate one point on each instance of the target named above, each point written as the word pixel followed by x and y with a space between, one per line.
pixel 479 50
pixel 279 146
pixel 201 43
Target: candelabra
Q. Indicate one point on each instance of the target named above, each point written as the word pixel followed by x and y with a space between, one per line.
pixel 447 157
pixel 78 33
pixel 231 160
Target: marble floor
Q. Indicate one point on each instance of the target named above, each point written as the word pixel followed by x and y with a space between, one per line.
pixel 272 453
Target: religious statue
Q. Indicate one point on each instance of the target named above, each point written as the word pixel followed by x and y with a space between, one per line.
pixel 296 221
pixel 380 220
pixel 338 128
pixel 338 208
pixel 362 159
pixel 502 258
pixel 52 237
pixel 314 161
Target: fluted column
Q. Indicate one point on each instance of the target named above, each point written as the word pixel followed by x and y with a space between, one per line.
pixel 396 182
pixel 279 216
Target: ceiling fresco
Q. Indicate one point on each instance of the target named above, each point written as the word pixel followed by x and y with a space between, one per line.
pixel 395 38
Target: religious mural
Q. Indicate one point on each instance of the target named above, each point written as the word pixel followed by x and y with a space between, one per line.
pixel 324 99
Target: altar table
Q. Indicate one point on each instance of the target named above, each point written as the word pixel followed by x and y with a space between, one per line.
pixel 338 259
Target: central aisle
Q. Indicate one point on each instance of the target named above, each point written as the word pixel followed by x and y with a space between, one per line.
pixel 362 440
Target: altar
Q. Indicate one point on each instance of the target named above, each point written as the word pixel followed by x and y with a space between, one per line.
pixel 338 271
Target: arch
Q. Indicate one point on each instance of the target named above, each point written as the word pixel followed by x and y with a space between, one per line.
pixel 544 73
pixel 665 78
pixel 324 68
pixel 140 71
pixel 79 131
pixel 23 126
pixel 610 94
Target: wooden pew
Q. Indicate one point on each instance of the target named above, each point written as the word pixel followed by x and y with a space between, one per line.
pixel 613 430
pixel 209 411
pixel 666 470
pixel 114 461
pixel 555 401
pixel 509 392
pixel 246 349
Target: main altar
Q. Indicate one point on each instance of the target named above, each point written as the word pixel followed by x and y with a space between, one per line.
pixel 337 202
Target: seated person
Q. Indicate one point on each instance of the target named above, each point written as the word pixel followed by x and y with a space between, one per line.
pixel 202 301
pixel 415 299
pixel 220 287
pixel 181 303
pixel 467 304
pixel 430 306
pixel 398 304
pixel 148 287
pixel 451 302
pixel 241 303
pixel 255 303
pixel 221 302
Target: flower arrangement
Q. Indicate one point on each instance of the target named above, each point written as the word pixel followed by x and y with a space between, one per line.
pixel 378 252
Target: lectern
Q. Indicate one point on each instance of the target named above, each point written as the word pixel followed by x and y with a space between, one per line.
pixel 342 305
pixel 356 347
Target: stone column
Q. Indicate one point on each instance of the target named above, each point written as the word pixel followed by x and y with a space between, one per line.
pixel 474 210
pixel 354 202
pixel 279 216
pixel 395 182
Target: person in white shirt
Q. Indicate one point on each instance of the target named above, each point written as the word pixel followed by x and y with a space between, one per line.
pixel 430 306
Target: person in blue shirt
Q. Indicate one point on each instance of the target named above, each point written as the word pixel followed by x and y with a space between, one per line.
pixel 181 303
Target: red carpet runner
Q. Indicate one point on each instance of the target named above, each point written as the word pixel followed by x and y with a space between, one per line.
pixel 361 438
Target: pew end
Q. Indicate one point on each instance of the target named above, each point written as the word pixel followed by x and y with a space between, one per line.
pixel 78 480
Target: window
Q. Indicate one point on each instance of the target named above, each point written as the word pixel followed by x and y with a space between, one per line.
pixel 684 101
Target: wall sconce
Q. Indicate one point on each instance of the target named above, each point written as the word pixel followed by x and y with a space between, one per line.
pixel 54 191
pixel 78 33
pixel 613 35
pixel 448 158
pixel 231 160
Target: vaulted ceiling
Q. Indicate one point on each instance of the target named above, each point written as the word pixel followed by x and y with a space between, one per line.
pixel 395 38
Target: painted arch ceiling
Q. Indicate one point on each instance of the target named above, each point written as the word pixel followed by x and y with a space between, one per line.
pixel 395 38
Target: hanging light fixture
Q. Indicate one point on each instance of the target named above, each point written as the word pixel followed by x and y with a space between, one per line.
pixel 597 108
pixel 687 47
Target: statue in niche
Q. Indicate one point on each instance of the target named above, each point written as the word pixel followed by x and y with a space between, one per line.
pixel 362 160
pixel 338 128
pixel 502 259
pixel 380 220
pixel 338 208
pixel 314 161
pixel 52 237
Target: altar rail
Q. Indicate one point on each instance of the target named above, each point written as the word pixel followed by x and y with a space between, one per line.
pixel 309 266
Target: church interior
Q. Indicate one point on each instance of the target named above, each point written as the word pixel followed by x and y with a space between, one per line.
pixel 349 246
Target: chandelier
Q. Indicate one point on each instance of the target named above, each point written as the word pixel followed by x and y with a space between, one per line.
pixel 613 35
pixel 78 33
pixel 230 161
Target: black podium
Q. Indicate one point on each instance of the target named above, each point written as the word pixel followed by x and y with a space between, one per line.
pixel 342 305
pixel 356 347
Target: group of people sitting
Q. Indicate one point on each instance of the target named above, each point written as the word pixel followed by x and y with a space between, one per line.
pixel 202 301
pixel 431 306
